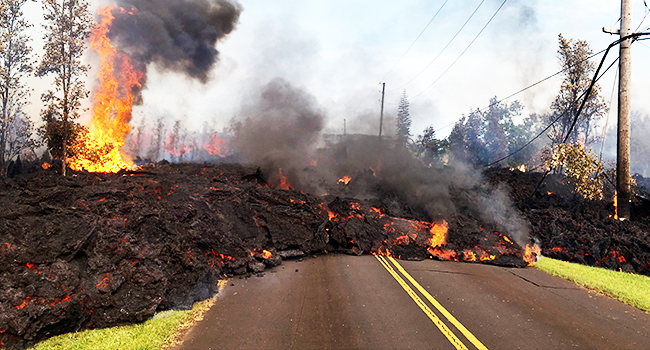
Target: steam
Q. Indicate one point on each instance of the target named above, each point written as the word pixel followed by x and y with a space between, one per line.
pixel 180 35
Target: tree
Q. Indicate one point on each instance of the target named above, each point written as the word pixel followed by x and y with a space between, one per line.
pixel 431 148
pixel 403 120
pixel 67 27
pixel 578 71
pixel 499 128
pixel 15 126
pixel 466 140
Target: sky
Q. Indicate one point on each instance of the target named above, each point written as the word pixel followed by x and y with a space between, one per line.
pixel 340 51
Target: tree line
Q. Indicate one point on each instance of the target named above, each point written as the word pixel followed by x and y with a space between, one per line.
pixel 496 135
pixel 67 26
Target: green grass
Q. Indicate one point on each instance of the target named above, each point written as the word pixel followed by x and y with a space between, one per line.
pixel 164 330
pixel 149 335
pixel 629 288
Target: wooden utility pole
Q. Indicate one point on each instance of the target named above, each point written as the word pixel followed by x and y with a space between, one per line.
pixel 381 116
pixel 624 112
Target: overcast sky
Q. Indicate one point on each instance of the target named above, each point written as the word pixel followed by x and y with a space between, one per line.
pixel 340 50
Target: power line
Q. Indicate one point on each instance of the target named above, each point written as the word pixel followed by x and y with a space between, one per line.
pixel 543 80
pixel 634 36
pixel 407 50
pixel 609 112
pixel 444 48
pixel 416 39
pixel 462 53
pixel 594 80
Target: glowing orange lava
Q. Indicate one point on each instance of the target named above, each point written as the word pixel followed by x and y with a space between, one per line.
pixel 532 252
pixel 284 184
pixel 112 104
pixel 345 180
pixel 439 232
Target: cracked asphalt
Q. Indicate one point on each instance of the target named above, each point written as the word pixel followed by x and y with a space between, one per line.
pixel 349 302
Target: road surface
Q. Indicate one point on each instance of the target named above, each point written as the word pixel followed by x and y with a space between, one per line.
pixel 368 302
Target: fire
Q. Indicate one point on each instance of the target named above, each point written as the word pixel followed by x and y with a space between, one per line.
pixel 469 255
pixel 112 104
pixel 531 253
pixel 216 146
pixel 46 165
pixel 439 234
pixel 345 180
pixel 616 205
pixel 284 184
pixel 265 254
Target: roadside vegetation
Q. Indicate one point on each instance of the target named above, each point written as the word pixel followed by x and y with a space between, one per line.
pixel 163 331
pixel 627 287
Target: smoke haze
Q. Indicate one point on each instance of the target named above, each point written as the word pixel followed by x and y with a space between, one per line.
pixel 280 129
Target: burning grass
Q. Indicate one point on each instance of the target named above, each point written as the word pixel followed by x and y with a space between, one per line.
pixel 629 288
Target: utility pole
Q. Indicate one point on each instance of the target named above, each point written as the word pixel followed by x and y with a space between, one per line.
pixel 381 116
pixel 624 112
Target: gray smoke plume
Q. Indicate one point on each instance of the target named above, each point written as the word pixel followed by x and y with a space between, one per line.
pixel 179 35
pixel 279 130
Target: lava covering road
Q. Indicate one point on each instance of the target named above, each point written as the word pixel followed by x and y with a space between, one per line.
pixel 97 250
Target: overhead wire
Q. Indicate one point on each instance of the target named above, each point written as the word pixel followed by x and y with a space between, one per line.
pixel 609 112
pixel 541 81
pixel 407 50
pixel 444 48
pixel 594 80
pixel 462 53
pixel 573 104
pixel 416 39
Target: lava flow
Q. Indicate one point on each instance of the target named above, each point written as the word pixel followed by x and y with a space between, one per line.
pixel 112 104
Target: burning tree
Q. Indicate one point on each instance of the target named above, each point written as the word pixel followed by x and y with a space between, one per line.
pixel 15 127
pixel 577 71
pixel 67 28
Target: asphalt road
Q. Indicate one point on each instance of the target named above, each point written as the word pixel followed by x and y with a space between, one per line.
pixel 347 302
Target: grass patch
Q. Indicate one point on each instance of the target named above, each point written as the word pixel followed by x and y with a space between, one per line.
pixel 627 287
pixel 164 330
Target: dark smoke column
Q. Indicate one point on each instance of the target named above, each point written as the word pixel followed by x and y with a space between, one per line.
pixel 178 35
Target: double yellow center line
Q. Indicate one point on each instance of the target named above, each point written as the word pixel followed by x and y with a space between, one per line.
pixel 388 263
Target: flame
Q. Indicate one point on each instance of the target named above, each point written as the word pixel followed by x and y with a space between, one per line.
pixel 266 254
pixel 469 255
pixel 46 165
pixel 345 180
pixel 112 104
pixel 439 232
pixel 284 184
pixel 443 254
pixel 616 205
pixel 531 253
pixel 216 146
